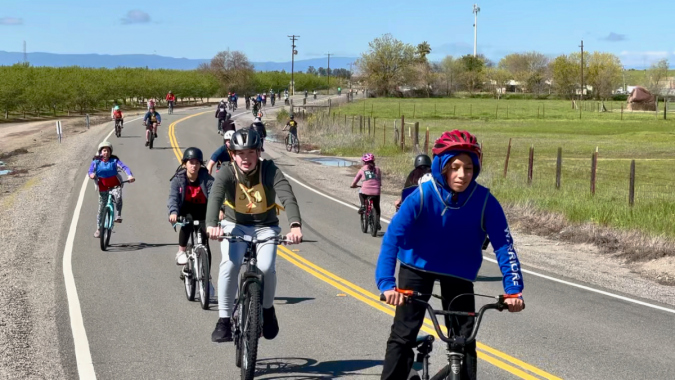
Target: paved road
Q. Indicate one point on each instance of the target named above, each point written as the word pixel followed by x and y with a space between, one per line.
pixel 140 326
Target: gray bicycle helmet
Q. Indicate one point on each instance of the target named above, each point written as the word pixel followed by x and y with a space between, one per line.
pixel 422 160
pixel 245 139
pixel 193 153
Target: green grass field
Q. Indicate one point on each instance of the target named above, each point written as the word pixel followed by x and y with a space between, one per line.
pixel 643 137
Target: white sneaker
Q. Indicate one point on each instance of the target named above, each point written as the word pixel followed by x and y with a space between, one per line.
pixel 181 258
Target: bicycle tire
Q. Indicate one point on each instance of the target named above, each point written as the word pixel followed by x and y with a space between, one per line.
pixel 204 273
pixel 364 223
pixel 296 145
pixel 251 331
pixel 237 316
pixel 373 222
pixel 289 145
pixel 152 139
pixel 104 230
pixel 189 279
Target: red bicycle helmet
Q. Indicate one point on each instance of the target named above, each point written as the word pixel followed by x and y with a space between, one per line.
pixel 368 157
pixel 457 140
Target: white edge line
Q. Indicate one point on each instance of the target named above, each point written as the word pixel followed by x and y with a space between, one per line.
pixel 522 269
pixel 85 366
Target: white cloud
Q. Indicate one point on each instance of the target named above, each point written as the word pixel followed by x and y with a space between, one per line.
pixel 11 21
pixel 136 16
pixel 643 59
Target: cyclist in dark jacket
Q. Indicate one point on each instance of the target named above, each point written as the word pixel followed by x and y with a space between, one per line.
pixel 221 114
pixel 259 127
pixel 190 188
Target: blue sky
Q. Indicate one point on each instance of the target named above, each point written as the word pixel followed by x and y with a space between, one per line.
pixel 199 29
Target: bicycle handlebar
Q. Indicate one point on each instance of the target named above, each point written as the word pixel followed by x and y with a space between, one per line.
pixel 277 239
pixel 500 305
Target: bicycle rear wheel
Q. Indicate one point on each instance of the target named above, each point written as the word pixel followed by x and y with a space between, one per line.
pixel 204 272
pixel 289 144
pixel 374 219
pixel 189 277
pixel 296 145
pixel 104 228
pixel 364 222
pixel 252 329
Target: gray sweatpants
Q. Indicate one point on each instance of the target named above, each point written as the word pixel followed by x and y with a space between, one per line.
pixel 233 257
pixel 103 201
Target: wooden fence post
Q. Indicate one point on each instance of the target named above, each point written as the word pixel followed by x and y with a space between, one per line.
pixel 497 112
pixel 454 110
pixel 426 142
pixel 368 126
pixel 352 124
pixel 384 134
pixel 558 169
pixel 665 107
pixel 399 109
pixel 543 110
pixel 631 186
pixel 507 111
pixel 402 131
pixel 416 135
pixel 621 111
pixel 329 105
pixel 594 170
pixel 374 126
pixel 530 165
pixel 470 110
pixel 414 107
pixel 506 162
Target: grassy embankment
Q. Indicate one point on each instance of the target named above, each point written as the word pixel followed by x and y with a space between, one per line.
pixel 641 136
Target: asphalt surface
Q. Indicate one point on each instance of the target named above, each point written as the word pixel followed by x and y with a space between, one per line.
pixel 140 326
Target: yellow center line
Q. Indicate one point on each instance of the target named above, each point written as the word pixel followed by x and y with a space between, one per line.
pixel 363 295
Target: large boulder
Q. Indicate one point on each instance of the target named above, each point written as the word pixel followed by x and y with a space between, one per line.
pixel 641 99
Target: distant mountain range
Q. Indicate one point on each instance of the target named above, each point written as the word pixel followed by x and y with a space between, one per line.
pixel 155 61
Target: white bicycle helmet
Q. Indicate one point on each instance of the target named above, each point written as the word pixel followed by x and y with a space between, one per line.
pixel 105 144
pixel 228 135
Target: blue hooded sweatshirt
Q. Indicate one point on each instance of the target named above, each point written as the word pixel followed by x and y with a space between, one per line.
pixel 440 231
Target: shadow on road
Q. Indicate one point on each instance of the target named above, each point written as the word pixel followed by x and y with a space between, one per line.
pixel 293 300
pixel 127 247
pixel 128 137
pixel 320 370
pixel 165 147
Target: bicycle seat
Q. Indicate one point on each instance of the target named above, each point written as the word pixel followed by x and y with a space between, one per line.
pixel 421 339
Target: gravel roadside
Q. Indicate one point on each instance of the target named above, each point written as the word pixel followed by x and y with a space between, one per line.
pixel 581 262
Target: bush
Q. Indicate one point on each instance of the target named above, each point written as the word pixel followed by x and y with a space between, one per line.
pixel 620 97
pixel 282 116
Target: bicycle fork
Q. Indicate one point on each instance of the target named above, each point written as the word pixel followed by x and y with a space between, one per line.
pixel 455 360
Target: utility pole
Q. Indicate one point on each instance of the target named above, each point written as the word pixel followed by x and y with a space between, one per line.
pixel 25 55
pixel 350 76
pixel 476 9
pixel 581 96
pixel 328 72
pixel 293 53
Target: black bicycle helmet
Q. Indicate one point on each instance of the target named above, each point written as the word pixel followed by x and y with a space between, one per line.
pixel 422 160
pixel 292 116
pixel 193 153
pixel 245 138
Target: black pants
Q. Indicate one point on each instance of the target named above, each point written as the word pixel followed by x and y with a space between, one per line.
pixel 195 212
pixel 409 318
pixel 376 202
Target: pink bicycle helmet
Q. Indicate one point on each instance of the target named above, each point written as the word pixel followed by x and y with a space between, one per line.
pixel 368 157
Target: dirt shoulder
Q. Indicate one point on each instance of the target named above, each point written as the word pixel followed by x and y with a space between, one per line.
pixel 578 261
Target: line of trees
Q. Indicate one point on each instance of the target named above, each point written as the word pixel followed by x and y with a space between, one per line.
pixel 235 72
pixel 35 90
pixel 390 66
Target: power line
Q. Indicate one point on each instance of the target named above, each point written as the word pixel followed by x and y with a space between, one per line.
pixel 293 53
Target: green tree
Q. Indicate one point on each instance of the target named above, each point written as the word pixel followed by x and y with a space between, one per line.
pixel 656 74
pixel 473 71
pixel 387 64
pixel 604 74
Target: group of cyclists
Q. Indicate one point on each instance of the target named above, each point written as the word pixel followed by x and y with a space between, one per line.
pixel 442 221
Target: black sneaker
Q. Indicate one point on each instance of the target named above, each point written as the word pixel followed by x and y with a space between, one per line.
pixel 361 210
pixel 223 331
pixel 155 135
pixel 147 143
pixel 270 324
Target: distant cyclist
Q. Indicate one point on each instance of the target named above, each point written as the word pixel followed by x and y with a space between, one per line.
pixel 151 103
pixel 190 188
pixel 420 173
pixel 233 100
pixel 221 114
pixel 222 154
pixel 118 115
pixel 249 186
pixel 152 120
pixel 292 127
pixel 438 234
pixel 259 127
pixel 372 184
pixel 105 168
pixel 171 99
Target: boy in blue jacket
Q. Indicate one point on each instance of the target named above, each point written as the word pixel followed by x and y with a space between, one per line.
pixel 438 234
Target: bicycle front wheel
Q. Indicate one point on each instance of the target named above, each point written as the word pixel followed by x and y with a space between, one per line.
pixel 289 144
pixel 189 274
pixel 152 138
pixel 204 273
pixel 104 228
pixel 251 331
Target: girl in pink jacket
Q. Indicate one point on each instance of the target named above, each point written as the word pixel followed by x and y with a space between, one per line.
pixel 372 182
